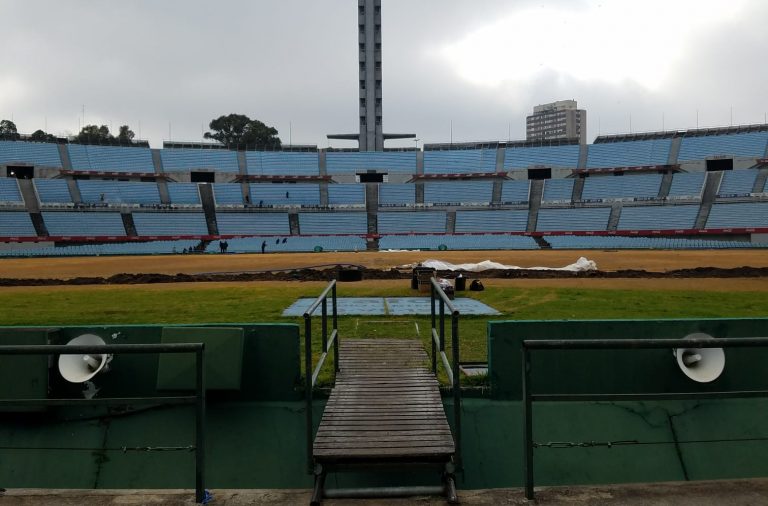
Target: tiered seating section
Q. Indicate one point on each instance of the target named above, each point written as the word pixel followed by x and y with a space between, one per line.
pixel 479 213
pixel 628 154
pixel 29 153
pixel 110 159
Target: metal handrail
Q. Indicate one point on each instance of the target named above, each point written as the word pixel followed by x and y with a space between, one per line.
pixel 199 398
pixel 451 370
pixel 328 341
pixel 619 344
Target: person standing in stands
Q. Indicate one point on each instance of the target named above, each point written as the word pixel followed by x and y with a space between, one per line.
pixel 221 247
pixel 263 246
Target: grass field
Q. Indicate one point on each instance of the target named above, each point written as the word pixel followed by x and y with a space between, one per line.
pixel 264 302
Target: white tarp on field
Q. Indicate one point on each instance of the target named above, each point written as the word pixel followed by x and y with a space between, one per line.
pixel 581 265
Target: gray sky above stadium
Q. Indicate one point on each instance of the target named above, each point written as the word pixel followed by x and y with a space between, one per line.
pixel 475 68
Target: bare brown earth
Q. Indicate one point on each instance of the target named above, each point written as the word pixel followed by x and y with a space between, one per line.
pixel 309 266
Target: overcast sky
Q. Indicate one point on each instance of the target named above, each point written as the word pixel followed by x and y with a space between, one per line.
pixel 166 68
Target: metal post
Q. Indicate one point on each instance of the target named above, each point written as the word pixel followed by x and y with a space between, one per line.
pixel 456 387
pixel 324 323
pixel 336 328
pixel 527 425
pixel 442 324
pixel 308 386
pixel 431 339
pixel 200 426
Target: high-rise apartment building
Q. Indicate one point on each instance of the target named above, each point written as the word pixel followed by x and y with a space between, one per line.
pixel 561 120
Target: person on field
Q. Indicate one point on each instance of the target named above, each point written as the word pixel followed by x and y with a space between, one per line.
pixel 263 246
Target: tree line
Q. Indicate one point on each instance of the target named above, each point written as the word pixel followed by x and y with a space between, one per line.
pixel 235 131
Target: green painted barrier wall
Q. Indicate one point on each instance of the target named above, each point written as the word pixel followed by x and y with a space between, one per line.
pixel 618 371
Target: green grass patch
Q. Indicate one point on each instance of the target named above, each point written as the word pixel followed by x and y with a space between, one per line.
pixel 257 303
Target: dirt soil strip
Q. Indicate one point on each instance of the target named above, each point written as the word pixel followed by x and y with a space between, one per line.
pixel 292 266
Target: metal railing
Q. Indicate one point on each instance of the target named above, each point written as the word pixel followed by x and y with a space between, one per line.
pixel 617 344
pixel 327 341
pixel 451 369
pixel 198 399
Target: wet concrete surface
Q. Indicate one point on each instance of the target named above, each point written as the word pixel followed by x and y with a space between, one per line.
pixel 707 493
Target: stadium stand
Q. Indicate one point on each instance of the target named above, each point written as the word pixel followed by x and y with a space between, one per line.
pixel 347 162
pixel 29 153
pixel 458 242
pixel 170 223
pixel 16 224
pixel 333 223
pixel 558 190
pixel 118 192
pixel 629 154
pixel 83 223
pixel 346 194
pixel 491 221
pixel 279 163
pixel 298 194
pixel 296 244
pixel 228 194
pixel 625 242
pixel 460 161
pixel 9 190
pixel 554 156
pixel 739 215
pixel 736 183
pixel 455 192
pixel 110 158
pixel 184 193
pixel 180 160
pixel 658 217
pixel 687 184
pixel 515 192
pixel 746 144
pixel 409 222
pixel 643 186
pixel 397 194
pixel 52 191
pixel 253 223
pixel 124 248
pixel 573 219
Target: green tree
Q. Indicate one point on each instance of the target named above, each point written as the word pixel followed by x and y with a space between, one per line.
pixel 8 130
pixel 40 136
pixel 125 134
pixel 239 131
pixel 94 134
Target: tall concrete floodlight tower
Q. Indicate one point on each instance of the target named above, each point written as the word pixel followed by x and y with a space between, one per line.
pixel 369 40
pixel 372 136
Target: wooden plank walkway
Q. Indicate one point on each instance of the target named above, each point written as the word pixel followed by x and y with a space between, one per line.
pixel 385 406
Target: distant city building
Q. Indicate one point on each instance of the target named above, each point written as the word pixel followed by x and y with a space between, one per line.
pixel 556 121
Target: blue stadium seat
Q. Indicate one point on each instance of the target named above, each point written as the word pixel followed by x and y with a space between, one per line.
pixel 170 223
pixel 748 144
pixel 397 194
pixel 83 223
pixel 346 194
pixel 16 224
pixel 350 162
pixel 551 156
pixel 629 154
pixel 333 223
pixel 297 244
pixel 460 161
pixel 110 158
pixel 411 222
pixel 184 193
pixel 737 183
pixel 557 190
pixel 515 192
pixel 738 215
pixel 218 160
pixel 118 192
pixel 492 221
pixel 253 223
pixel 228 194
pixel 279 163
pixel 455 192
pixel 573 219
pixel 644 186
pixel 9 190
pixel 299 194
pixel 458 242
pixel 29 153
pixel 658 217
pixel 52 191
pixel 687 184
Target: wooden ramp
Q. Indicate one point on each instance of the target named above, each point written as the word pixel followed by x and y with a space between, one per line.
pixel 384 409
